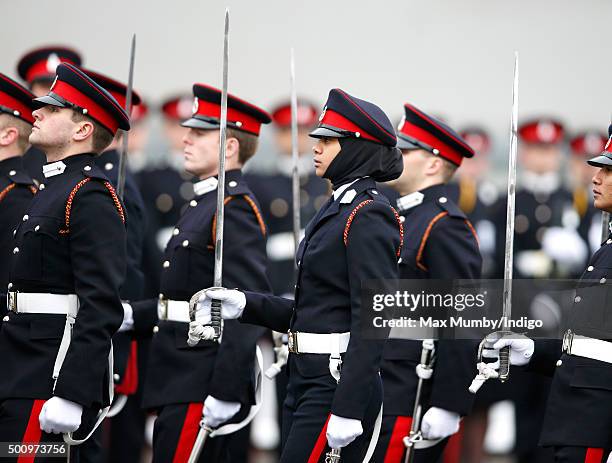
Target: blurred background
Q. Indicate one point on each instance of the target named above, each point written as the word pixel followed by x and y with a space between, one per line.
pixel 451 59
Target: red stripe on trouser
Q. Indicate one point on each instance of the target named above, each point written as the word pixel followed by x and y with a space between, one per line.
pixel 396 448
pixel 593 455
pixel 452 451
pixel 320 444
pixel 33 432
pixel 129 385
pixel 189 432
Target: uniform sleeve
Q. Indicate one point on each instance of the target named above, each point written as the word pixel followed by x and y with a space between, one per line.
pixel 545 356
pixel 98 255
pixel 452 253
pixel 267 310
pixel 244 267
pixel 145 316
pixel 371 252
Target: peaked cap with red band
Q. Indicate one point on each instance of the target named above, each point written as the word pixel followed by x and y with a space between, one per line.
pixel 543 131
pixel 589 142
pixel 41 63
pixel 605 158
pixel 16 100
pixel 241 115
pixel 477 138
pixel 346 116
pixel 114 87
pixel 74 89
pixel 418 130
pixel 178 107
pixel 306 114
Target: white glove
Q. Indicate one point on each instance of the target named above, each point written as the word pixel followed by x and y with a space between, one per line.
pixel 521 348
pixel 218 411
pixel 232 304
pixel 439 423
pixel 128 318
pixel 342 431
pixel 565 246
pixel 60 415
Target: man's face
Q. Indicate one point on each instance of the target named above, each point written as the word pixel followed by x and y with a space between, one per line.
pixel 602 189
pixel 53 127
pixel 174 133
pixel 539 158
pixel 201 152
pixel 282 137
pixel 324 152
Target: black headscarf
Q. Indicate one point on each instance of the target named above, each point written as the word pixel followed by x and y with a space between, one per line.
pixel 361 158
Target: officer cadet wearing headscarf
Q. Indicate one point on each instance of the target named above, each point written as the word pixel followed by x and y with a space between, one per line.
pixel 439 243
pixel 334 394
pixel 578 418
pixel 67 266
pixel 37 69
pixel 212 381
pixel 16 186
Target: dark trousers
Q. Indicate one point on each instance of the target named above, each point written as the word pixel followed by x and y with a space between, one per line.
pixel 19 424
pixel 175 432
pixel 306 413
pixel 580 455
pixel 391 449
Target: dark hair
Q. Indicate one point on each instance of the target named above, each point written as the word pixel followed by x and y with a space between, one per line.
pixel 101 136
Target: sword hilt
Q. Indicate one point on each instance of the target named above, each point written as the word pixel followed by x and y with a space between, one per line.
pixel 215 318
pixel 333 456
pixel 504 363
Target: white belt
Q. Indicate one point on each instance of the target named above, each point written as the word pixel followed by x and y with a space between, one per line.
pixel 175 311
pixel 44 303
pixel 317 343
pixel 582 346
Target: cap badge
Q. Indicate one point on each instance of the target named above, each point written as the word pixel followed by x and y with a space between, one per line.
pixel 592 143
pixel 53 62
pixel 546 131
pixel 402 122
pixel 183 108
pixel 53 84
pixel 608 143
pixel 196 105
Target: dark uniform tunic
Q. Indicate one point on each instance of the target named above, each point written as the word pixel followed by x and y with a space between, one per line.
pixel 439 243
pixel 71 241
pixel 16 191
pixel 579 408
pixel 179 375
pixel 328 300
pixel 275 194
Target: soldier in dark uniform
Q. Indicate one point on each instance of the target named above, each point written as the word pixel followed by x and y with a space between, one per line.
pixel 586 145
pixel 166 190
pixel 16 186
pixel 67 266
pixel 578 412
pixel 546 245
pixel 37 69
pixel 335 394
pixel 219 377
pixel 439 243
pixel 127 428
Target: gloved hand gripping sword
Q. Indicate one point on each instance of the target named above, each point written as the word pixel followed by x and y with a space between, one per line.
pixel 487 371
pixel 215 329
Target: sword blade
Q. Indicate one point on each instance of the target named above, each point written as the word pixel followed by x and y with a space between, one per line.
pixel 128 106
pixel 198 445
pixel 295 157
pixel 510 211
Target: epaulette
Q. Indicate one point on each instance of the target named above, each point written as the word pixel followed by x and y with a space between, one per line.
pixel 21 178
pixel 449 206
pixel 91 172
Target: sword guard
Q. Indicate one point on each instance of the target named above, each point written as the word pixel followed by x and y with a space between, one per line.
pixel 333 456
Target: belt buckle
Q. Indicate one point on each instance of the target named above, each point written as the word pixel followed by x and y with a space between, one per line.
pixel 293 342
pixel 163 305
pixel 568 338
pixel 11 301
